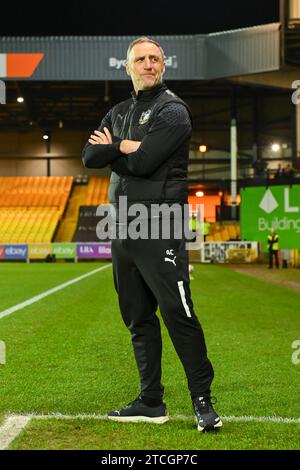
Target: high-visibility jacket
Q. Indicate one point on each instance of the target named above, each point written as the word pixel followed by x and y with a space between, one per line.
pixel 206 228
pixel 273 242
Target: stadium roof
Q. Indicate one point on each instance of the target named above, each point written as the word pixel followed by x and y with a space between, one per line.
pixel 195 57
pixel 251 55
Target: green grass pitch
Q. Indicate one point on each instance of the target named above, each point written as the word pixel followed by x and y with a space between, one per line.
pixel 70 353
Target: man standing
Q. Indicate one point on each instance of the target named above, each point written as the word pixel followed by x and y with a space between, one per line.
pixel 145 140
pixel 206 228
pixel 273 246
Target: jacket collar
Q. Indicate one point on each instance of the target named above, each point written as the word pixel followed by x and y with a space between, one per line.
pixel 148 95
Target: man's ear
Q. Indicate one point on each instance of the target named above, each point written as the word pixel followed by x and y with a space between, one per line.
pixel 127 68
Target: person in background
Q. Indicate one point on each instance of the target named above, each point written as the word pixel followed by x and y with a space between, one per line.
pixel 289 171
pixel 206 228
pixel 273 247
pixel 285 257
pixel 279 171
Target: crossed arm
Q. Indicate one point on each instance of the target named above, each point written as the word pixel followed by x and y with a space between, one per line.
pixel 139 158
pixel 105 138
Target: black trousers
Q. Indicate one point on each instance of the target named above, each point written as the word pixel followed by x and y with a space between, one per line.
pixel 148 273
pixel 275 254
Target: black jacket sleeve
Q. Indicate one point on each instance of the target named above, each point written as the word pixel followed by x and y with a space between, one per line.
pixel 171 127
pixel 98 155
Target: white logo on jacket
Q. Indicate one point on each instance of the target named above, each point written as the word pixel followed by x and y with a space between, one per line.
pixel 145 116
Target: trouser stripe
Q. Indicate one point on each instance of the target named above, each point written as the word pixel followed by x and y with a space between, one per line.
pixel 183 299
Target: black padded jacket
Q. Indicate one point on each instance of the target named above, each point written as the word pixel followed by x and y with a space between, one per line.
pixel 156 173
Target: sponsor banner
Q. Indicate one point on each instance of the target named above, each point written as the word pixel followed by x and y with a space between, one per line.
pixel 242 255
pixel 94 250
pixel 40 250
pixel 19 64
pixel 15 251
pixel 2 251
pixel 229 252
pixel 64 250
pixel 276 207
pixel 117 63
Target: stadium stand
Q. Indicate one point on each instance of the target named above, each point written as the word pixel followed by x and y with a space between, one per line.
pixel 28 225
pixel 68 224
pixel 97 191
pixel 223 232
pixel 92 194
pixel 31 207
pixel 44 209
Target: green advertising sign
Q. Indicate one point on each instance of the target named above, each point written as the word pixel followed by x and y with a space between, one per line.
pixel 65 250
pixel 275 207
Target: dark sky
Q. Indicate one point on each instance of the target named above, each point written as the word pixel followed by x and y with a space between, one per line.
pixel 111 17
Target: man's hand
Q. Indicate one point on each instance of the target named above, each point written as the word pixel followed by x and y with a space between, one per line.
pixel 129 146
pixel 102 138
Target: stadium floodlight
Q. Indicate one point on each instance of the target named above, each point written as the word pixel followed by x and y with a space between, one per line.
pixel 275 147
pixel 202 148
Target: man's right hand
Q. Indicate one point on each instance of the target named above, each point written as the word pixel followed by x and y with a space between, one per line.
pixel 129 146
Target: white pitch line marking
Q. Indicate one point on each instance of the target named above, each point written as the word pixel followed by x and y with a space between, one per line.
pixel 233 419
pixel 14 424
pixel 11 428
pixel 38 297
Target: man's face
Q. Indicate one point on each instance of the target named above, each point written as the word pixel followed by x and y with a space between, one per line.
pixel 145 66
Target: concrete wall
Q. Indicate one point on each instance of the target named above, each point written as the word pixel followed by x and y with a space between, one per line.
pixel 25 154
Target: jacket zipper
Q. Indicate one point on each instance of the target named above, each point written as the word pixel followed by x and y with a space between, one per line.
pixel 126 125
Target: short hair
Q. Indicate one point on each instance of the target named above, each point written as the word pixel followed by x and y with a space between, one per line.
pixel 144 39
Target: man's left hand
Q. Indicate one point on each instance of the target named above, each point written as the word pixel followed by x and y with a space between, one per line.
pixel 102 138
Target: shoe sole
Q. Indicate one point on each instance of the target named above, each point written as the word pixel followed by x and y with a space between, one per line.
pixel 139 419
pixel 210 428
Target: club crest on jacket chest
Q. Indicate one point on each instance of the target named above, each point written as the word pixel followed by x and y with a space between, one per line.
pixel 144 117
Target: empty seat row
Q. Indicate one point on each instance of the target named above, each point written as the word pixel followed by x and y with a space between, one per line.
pixel 35 190
pixel 97 191
pixel 18 225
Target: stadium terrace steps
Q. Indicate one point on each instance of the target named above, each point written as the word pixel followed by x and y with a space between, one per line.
pixel 96 194
pixel 68 224
pixel 28 225
pixel 97 191
pixel 35 191
pixel 93 194
pixel 31 207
